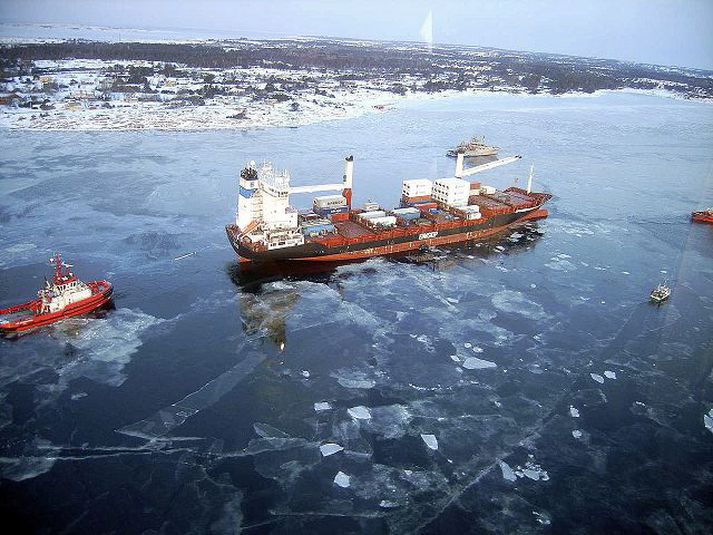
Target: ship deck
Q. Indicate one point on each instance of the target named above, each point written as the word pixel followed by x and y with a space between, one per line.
pixel 350 229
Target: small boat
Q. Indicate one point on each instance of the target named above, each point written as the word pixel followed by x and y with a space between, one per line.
pixel 660 293
pixel 65 296
pixel 703 216
pixel 473 148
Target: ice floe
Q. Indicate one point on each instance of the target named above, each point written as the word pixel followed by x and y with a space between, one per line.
pixel 354 379
pixel 516 303
pixel 268 431
pixel 474 363
pixel 542 518
pixel 532 470
pixel 431 441
pixel 359 413
pixel 573 411
pixel 577 433
pixel 507 471
pixel 389 421
pixel 342 480
pixel 609 374
pixel 330 449
pixel 596 377
pixel 708 420
pixel 322 406
pixel 107 344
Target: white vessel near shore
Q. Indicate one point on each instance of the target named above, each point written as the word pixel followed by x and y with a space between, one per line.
pixel 473 148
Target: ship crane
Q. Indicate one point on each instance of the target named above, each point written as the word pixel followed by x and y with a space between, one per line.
pixel 462 173
pixel 345 187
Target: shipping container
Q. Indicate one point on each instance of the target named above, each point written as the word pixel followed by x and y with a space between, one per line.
pixel 414 199
pixel 329 201
pixel 409 216
pixel 407 210
pixel 416 187
pixel 326 212
pixel 385 221
pixel 372 215
pixel 488 190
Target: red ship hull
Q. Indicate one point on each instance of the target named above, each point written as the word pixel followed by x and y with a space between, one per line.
pixel 101 295
pixel 417 244
pixel 702 217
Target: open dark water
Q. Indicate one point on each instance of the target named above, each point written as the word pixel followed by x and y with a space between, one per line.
pixel 560 400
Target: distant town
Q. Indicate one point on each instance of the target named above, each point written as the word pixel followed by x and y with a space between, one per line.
pixel 247 83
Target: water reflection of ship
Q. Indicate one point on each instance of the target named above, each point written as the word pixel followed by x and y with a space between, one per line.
pixel 266 309
pixel 267 313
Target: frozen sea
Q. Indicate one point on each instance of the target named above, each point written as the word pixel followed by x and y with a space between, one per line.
pixel 525 385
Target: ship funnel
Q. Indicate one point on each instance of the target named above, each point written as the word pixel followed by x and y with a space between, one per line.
pixel 529 179
pixel 348 175
pixel 459 165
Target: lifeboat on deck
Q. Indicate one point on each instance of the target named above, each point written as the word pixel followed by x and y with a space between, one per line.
pixel 65 296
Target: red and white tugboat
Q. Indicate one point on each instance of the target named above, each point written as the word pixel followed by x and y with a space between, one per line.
pixel 703 216
pixel 62 298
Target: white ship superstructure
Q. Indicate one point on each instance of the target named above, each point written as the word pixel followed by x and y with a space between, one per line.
pixel 264 212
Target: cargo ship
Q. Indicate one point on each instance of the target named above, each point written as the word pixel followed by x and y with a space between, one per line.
pixel 65 296
pixel 703 216
pixel 431 213
pixel 473 148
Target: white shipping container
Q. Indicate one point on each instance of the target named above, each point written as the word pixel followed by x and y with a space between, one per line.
pixel 451 184
pixel 471 208
pixel 416 188
pixel 371 206
pixel 372 215
pixel 452 199
pixel 488 190
pixel 473 215
pixel 386 221
pixel 329 201
pixel 403 211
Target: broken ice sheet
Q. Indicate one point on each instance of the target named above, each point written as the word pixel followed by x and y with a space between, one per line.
pixel 508 472
pixel 610 374
pixel 533 471
pixel 474 363
pixel 330 449
pixel 359 413
pixel 708 420
pixel 431 441
pixel 267 431
pixel 322 406
pixel 596 377
pixel 342 480
pixel 573 411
